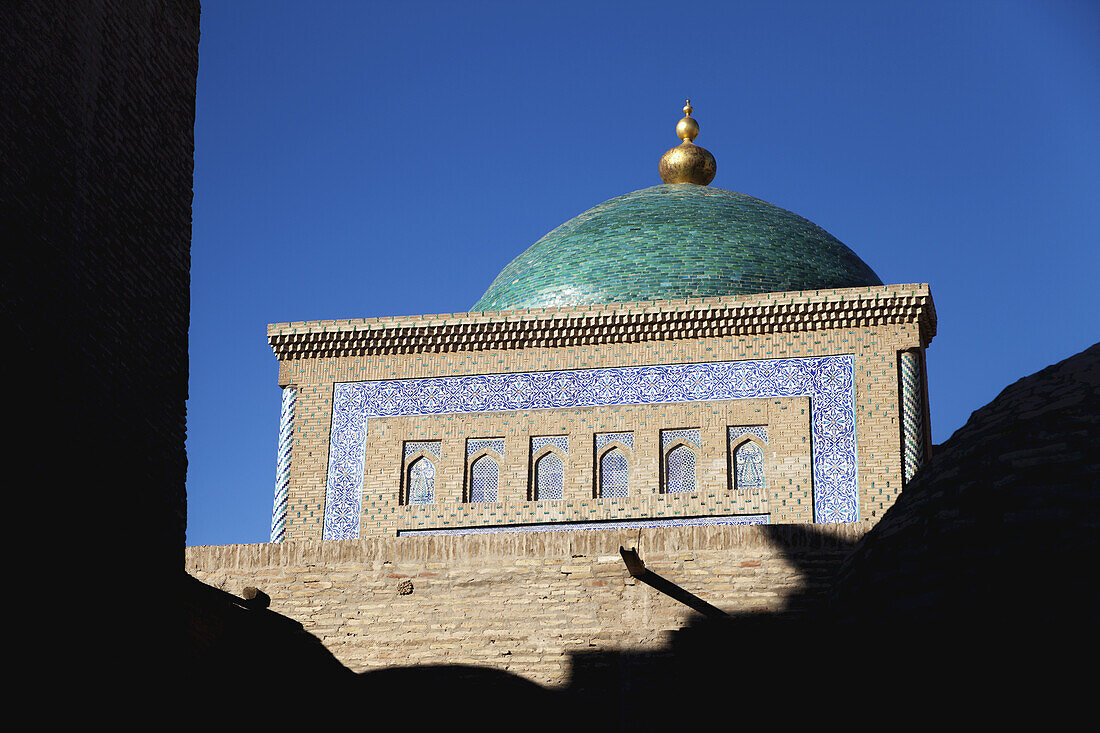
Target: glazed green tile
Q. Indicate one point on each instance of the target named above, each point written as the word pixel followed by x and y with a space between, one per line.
pixel 675 241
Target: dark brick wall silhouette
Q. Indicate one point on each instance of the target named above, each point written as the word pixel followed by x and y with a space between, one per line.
pixel 97 113
pixel 97 141
pixel 1001 528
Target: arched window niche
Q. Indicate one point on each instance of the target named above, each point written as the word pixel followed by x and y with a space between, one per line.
pixel 549 477
pixel 484 478
pixel 614 470
pixel 748 467
pixel 680 470
pixel 420 481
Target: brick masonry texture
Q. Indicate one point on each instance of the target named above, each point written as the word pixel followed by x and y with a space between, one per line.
pixel 96 128
pixel 525 603
pixel 1010 498
pixel 873 324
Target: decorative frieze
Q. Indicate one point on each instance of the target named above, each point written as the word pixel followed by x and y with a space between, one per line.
pixel 828 381
pixel 616 323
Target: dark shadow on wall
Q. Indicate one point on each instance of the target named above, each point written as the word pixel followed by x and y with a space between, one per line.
pixel 976 584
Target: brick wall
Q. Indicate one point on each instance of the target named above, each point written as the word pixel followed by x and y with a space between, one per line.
pixel 97 214
pixel 789 497
pixel 999 530
pixel 97 147
pixel 530 604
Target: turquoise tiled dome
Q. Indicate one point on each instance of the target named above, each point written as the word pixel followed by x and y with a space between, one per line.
pixel 675 241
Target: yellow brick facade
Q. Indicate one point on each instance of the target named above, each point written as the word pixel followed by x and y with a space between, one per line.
pixel 872 324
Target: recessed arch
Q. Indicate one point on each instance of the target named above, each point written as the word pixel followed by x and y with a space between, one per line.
pixel 680 468
pixel 548 476
pixel 483 477
pixel 613 472
pixel 420 473
pixel 747 465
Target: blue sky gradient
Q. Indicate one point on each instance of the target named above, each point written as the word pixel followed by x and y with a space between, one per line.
pixel 369 159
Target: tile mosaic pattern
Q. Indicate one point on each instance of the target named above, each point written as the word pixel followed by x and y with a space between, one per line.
pixel 602 439
pixel 912 413
pixel 614 475
pixel 675 241
pixel 681 470
pixel 668 437
pixel 421 482
pixel 435 447
pixel 473 445
pixel 549 478
pixel 749 462
pixel 282 465
pixel 827 380
pixel 561 442
pixel 739 520
pixel 737 432
pixel 484 477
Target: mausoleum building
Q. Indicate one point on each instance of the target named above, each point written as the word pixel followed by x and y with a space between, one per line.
pixel 677 355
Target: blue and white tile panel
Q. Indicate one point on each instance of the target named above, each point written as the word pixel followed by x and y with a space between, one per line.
pixel 602 439
pixel 614 475
pixel 484 479
pixel 550 478
pixel 435 447
pixel 561 442
pixel 739 431
pixel 680 470
pixel 421 482
pixel 473 445
pixel 282 465
pixel 826 380
pixel 569 527
pixel 749 467
pixel 668 437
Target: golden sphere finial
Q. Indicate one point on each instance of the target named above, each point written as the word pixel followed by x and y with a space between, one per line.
pixel 687 162
pixel 687 128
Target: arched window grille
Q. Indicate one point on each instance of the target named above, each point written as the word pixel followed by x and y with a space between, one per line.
pixel 484 477
pixel 680 470
pixel 421 481
pixel 614 474
pixel 749 467
pixel 549 478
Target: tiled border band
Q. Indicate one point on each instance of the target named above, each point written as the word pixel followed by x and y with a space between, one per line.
pixel 572 526
pixel 826 380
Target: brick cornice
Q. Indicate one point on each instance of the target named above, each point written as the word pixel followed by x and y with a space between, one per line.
pixel 810 310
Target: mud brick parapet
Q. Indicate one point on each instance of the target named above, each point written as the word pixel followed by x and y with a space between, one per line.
pixel 524 603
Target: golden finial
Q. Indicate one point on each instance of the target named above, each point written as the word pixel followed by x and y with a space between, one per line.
pixel 687 162
pixel 687 128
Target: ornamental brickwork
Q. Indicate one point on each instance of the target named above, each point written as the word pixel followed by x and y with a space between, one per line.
pixel 366 388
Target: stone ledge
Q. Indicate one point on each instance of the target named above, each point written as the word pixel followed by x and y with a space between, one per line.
pixel 612 323
pixel 471 548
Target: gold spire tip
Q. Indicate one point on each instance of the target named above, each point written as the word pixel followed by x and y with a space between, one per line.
pixel 687 129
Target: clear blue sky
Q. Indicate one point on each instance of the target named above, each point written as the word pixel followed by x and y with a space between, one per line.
pixel 363 159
